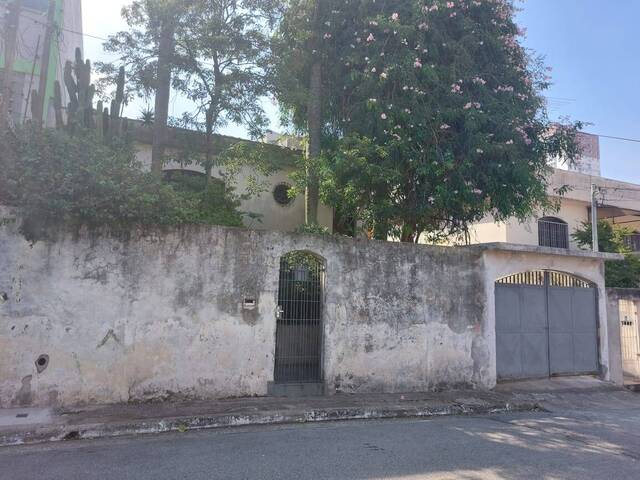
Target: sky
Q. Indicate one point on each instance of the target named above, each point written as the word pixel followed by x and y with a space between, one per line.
pixel 593 47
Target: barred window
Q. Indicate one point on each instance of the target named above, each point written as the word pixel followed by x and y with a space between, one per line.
pixel 553 232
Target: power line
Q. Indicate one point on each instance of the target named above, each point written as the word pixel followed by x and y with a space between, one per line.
pixel 556 99
pixel 68 30
pixel 635 140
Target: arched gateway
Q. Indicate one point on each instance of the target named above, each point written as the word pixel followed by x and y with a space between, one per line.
pixel 299 319
pixel 546 325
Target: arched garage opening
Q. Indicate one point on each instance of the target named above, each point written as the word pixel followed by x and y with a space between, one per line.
pixel 546 325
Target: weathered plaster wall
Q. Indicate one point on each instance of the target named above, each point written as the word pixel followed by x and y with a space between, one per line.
pixel 161 315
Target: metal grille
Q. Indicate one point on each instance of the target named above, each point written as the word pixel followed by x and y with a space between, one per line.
pixel 541 278
pixel 557 279
pixel 546 325
pixel 553 234
pixel 524 278
pixel 633 242
pixel 299 319
pixel 629 331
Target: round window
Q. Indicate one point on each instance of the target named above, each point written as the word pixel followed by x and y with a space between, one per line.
pixel 281 194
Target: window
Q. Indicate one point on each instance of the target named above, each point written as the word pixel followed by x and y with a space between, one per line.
pixel 281 194
pixel 553 232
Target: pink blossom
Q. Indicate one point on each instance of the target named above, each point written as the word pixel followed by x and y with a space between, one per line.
pixel 371 38
pixel 477 191
pixel 383 116
pixel 417 63
pixel 450 4
pixel 455 88
pixel 327 36
pixel 395 17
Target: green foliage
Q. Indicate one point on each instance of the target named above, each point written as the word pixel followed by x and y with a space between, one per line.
pixel 55 179
pixel 621 274
pixel 313 229
pixel 434 113
pixel 138 47
pixel 222 57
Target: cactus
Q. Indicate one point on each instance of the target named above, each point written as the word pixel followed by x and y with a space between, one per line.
pixel 80 111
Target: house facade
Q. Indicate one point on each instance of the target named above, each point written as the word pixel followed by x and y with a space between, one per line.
pixel 272 207
pixel 618 203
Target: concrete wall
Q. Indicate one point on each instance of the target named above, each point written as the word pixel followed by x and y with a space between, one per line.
pixel 160 315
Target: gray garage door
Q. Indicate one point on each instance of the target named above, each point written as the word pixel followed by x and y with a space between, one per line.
pixel 546 324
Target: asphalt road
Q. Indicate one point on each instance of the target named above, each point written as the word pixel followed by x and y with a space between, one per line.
pixel 581 442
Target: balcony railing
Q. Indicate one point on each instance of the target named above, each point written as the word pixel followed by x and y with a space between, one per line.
pixel 633 242
pixel 553 234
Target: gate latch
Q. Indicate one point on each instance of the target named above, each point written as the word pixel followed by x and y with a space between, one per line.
pixel 279 312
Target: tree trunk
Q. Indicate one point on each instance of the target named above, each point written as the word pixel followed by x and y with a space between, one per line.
pixel 166 49
pixel 208 163
pixel 314 123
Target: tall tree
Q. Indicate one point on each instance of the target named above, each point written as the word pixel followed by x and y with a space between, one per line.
pixel 434 117
pixel 224 53
pixel 304 63
pixel 147 51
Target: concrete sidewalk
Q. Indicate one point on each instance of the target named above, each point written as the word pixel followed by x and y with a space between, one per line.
pixel 33 425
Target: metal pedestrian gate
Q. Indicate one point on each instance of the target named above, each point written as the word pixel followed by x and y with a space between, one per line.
pixel 630 338
pixel 546 325
pixel 299 319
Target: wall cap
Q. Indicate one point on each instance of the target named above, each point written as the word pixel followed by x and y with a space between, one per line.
pixel 534 249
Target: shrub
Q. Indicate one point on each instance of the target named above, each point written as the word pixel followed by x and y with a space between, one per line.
pixel 618 274
pixel 55 178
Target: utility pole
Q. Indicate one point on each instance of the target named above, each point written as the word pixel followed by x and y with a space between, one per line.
pixel 10 40
pixel 594 217
pixel 41 100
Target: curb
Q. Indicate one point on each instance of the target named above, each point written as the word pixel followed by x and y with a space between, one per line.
pixel 59 433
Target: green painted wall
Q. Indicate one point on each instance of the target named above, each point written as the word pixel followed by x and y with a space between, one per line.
pixel 26 66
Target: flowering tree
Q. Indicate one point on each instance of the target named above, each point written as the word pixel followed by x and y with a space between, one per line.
pixel 434 117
